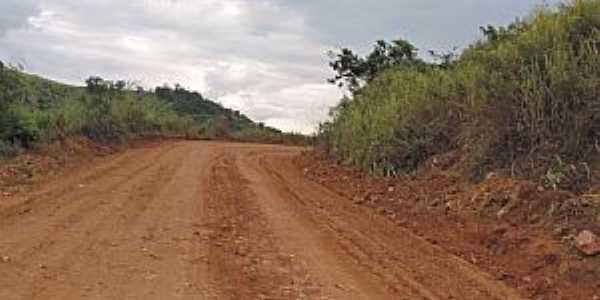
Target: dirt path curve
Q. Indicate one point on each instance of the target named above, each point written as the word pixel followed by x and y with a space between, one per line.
pixel 199 220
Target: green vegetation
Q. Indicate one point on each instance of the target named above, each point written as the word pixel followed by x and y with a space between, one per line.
pixel 515 100
pixel 35 111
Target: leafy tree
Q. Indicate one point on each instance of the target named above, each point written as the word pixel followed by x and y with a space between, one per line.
pixel 498 33
pixel 98 85
pixel 120 85
pixel 95 84
pixel 349 68
pixel 387 55
pixel 352 71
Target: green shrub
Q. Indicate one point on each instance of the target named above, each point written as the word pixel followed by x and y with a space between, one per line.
pixel 20 125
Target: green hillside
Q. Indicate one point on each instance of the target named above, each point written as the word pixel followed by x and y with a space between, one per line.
pixel 524 99
pixel 34 110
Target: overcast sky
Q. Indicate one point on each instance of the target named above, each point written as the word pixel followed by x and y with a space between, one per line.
pixel 266 58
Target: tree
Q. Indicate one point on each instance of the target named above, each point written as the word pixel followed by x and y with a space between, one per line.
pixel 386 55
pixel 139 90
pixel 120 85
pixel 349 68
pixel 495 34
pixel 95 84
pixel 353 71
pixel 98 85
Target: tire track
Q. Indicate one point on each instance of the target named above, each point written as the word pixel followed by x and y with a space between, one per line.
pixel 208 220
pixel 44 240
pixel 244 255
pixel 395 255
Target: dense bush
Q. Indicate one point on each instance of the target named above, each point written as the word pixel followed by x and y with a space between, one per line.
pixel 525 93
pixel 20 125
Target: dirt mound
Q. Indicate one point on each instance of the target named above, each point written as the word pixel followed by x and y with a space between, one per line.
pixel 517 230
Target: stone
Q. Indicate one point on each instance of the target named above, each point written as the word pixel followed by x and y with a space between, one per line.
pixel 358 200
pixel 534 219
pixel 491 176
pixel 588 243
pixel 559 231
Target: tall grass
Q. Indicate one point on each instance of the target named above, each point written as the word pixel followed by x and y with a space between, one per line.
pixel 520 96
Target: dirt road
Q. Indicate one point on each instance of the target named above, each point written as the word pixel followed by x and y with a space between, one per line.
pixel 199 220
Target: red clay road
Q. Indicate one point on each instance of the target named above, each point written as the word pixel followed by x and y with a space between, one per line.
pixel 204 220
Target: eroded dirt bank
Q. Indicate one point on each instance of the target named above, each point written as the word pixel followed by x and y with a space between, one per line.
pixel 516 230
pixel 202 220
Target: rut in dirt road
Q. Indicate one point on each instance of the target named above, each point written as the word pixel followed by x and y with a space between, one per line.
pixel 199 220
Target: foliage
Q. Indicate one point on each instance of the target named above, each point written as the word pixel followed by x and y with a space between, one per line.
pixel 216 121
pixel 267 135
pixel 524 92
pixel 202 110
pixel 352 71
pixel 20 125
pixel 34 110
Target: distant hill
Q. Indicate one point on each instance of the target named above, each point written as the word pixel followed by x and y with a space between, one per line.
pixel 205 111
pixel 37 110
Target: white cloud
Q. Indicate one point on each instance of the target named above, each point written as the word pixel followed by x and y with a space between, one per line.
pixel 299 108
pixel 263 57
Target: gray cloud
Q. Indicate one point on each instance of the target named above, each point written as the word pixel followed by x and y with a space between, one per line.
pixel 431 24
pixel 15 13
pixel 266 58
